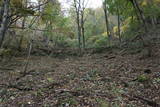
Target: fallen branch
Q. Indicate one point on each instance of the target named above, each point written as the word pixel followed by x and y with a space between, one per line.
pixel 28 57
pixel 83 93
pixel 10 69
pixel 112 57
pixel 24 74
pixel 149 102
pixel 20 88
pixel 50 86
pixel 16 87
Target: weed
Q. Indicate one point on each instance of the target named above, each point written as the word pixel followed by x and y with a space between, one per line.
pixel 68 102
pixel 142 78
pixel 91 75
pixel 156 81
pixel 102 102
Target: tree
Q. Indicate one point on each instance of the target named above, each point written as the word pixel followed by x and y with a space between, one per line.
pixel 83 5
pixel 139 12
pixel 106 19
pixel 5 20
pixel 11 11
pixel 119 22
pixel 23 26
pixel 116 7
pixel 77 6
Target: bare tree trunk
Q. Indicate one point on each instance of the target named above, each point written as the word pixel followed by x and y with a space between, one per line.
pixel 106 20
pixel 5 21
pixel 83 19
pixel 84 43
pixel 82 28
pixel 21 39
pixel 79 31
pixel 28 57
pixel 77 8
pixel 23 27
pixel 119 24
pixel 1 12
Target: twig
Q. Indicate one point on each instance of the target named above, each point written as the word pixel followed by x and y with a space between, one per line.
pixel 2 68
pixel 149 102
pixel 20 88
pixel 83 93
pixel 15 87
pixel 28 57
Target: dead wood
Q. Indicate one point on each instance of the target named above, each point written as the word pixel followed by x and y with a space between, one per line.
pixel 9 69
pixel 84 93
pixel 148 101
pixel 51 85
pixel 28 57
pixel 15 86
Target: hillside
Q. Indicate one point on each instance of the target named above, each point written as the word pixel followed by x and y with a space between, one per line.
pixel 117 77
pixel 79 53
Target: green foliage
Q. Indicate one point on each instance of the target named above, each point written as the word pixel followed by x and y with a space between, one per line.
pixel 51 13
pixel 6 52
pixel 19 7
pixel 61 30
pixel 25 11
pixel 51 80
pixel 142 78
pixel 102 42
pixel 98 41
pixel 91 75
pixel 102 103
pixel 156 81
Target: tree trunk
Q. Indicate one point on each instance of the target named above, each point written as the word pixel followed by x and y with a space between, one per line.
pixel 23 27
pixel 152 18
pixel 5 21
pixel 22 36
pixel 141 13
pixel 77 8
pixel 79 31
pixel 106 20
pixel 141 16
pixel 1 12
pixel 119 29
pixel 84 43
pixel 82 29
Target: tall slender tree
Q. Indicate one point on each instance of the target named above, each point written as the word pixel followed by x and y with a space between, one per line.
pixel 5 20
pixel 106 20
pixel 119 21
pixel 83 6
pixel 77 7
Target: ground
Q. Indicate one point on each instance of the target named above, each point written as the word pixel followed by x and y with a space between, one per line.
pixel 108 79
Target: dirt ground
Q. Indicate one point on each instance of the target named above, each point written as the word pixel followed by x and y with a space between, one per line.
pixel 109 79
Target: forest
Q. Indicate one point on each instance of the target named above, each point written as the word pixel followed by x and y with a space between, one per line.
pixel 79 53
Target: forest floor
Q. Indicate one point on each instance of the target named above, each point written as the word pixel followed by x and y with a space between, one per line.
pixel 108 79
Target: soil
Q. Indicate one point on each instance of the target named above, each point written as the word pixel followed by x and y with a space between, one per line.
pixel 108 79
